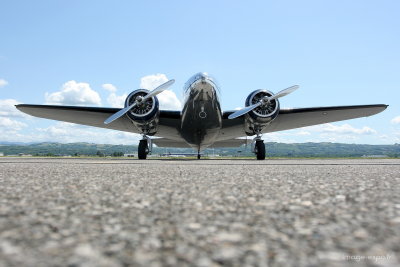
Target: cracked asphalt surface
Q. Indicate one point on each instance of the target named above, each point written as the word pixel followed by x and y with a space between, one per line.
pixel 107 212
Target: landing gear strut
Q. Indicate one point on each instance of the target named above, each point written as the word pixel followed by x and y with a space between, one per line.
pixel 145 147
pixel 198 154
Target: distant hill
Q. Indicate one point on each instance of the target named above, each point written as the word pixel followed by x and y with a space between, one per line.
pixel 13 143
pixel 273 150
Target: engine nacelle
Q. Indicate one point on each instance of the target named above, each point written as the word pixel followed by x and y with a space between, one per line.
pixel 145 115
pixel 262 115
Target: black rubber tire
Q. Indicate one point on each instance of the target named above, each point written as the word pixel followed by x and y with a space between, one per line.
pixel 198 156
pixel 142 149
pixel 260 150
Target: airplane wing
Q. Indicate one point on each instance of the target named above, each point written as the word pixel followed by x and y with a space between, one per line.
pixel 301 117
pixel 169 121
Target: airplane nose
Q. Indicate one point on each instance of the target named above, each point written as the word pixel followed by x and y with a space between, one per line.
pixel 203 76
pixel 202 83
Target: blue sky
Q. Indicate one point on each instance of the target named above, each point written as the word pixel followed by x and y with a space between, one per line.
pixel 339 52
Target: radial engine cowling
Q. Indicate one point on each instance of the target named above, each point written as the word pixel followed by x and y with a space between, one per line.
pixel 144 115
pixel 262 115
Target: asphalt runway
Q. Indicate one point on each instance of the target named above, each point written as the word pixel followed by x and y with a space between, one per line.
pixel 106 212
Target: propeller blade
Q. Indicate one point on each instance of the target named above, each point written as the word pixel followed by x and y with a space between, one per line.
pixel 119 114
pixel 284 92
pixel 244 111
pixel 159 89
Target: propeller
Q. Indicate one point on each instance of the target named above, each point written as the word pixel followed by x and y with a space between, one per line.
pixel 244 110
pixel 139 100
pixel 264 101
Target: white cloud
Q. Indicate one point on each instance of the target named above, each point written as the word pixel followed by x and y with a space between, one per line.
pixel 384 137
pixel 73 93
pixel 167 99
pixel 9 124
pixel 8 109
pixel 280 137
pixel 323 133
pixel 109 87
pixel 397 136
pixel 10 130
pixel 346 129
pixel 3 82
pixel 150 82
pixel 303 133
pixel 116 101
pixel 64 132
pixel 395 120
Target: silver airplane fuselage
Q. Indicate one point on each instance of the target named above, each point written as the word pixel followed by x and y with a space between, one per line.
pixel 201 113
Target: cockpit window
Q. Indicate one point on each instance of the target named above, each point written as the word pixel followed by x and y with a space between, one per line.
pixel 198 76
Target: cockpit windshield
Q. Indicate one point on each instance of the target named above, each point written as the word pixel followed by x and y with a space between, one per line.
pixel 201 76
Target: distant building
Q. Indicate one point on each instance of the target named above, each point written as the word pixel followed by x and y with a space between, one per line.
pixel 180 154
pixel 375 156
pixel 1 154
pixel 129 155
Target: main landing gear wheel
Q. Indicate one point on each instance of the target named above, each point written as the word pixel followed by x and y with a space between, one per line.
pixel 143 149
pixel 198 156
pixel 260 149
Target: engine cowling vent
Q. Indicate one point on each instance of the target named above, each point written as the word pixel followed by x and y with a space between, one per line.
pixel 265 112
pixel 145 111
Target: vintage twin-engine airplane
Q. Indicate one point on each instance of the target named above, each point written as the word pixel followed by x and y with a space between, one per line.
pixel 201 123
